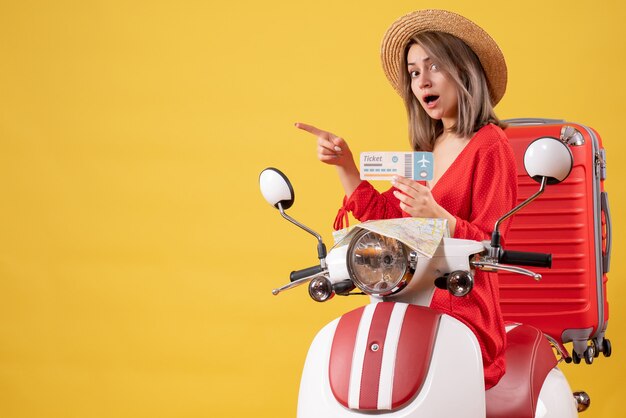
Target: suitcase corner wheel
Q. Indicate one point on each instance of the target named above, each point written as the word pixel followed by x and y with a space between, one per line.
pixel 593 350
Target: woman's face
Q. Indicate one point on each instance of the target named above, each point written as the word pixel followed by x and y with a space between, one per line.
pixel 433 89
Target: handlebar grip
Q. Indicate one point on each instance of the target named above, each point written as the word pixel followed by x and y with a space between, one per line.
pixel 524 258
pixel 301 274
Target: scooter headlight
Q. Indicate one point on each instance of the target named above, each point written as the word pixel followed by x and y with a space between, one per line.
pixel 321 289
pixel 378 265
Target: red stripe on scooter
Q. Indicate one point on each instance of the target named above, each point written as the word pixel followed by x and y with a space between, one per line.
pixel 370 377
pixel 415 348
pixel 341 354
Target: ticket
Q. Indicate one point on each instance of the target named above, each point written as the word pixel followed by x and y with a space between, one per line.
pixel 385 165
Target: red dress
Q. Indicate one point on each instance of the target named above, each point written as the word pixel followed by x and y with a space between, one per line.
pixel 478 188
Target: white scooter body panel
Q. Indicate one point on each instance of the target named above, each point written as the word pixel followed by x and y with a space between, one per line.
pixel 454 384
pixel 555 399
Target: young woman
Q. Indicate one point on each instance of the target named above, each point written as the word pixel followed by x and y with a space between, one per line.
pixel 450 74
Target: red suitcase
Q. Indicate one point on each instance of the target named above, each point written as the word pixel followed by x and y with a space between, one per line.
pixel 571 220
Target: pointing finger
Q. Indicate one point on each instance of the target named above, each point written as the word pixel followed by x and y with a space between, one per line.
pixel 312 129
pixel 333 141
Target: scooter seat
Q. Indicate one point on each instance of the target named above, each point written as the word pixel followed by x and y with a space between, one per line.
pixel 529 359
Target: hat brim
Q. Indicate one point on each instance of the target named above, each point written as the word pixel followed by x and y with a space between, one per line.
pixel 402 30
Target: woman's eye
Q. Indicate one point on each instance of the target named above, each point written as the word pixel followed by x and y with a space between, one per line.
pixel 434 67
pixel 414 74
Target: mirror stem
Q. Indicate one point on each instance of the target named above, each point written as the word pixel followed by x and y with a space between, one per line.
pixel 494 251
pixel 321 247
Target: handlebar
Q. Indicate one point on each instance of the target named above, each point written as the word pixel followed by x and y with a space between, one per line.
pixel 307 272
pixel 525 258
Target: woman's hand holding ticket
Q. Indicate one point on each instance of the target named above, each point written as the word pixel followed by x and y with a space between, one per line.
pixel 417 200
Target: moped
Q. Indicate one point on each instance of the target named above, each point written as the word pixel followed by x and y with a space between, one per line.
pixel 396 357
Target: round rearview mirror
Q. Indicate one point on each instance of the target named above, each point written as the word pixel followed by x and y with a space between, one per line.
pixel 548 157
pixel 276 188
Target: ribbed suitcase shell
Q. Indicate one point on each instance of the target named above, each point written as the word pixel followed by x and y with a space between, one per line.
pixel 570 220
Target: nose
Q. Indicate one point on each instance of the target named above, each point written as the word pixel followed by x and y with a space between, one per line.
pixel 423 81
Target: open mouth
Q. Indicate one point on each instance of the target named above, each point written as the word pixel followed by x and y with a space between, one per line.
pixel 430 98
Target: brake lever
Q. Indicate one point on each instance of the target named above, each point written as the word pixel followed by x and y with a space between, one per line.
pixel 299 282
pixel 495 267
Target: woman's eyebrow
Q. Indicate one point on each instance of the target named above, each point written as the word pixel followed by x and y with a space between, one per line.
pixel 423 60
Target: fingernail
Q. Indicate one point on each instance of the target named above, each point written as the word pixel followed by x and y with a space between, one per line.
pixel 394 179
pixel 337 148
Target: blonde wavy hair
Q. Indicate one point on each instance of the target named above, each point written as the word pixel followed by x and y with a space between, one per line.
pixel 460 65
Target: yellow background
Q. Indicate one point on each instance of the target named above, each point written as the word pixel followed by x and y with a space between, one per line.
pixel 136 252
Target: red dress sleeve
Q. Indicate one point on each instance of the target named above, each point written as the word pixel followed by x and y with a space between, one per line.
pixel 367 203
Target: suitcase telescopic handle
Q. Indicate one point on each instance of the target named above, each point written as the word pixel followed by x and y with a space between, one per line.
pixel 606 255
pixel 533 121
pixel 524 258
